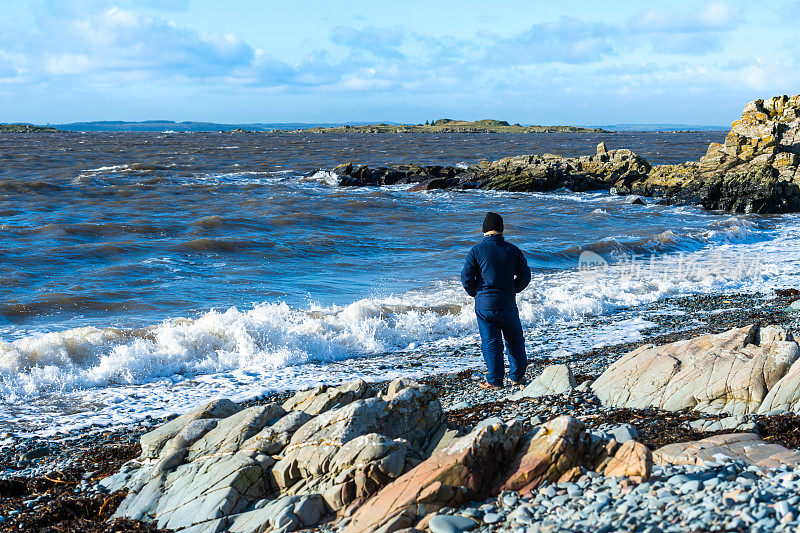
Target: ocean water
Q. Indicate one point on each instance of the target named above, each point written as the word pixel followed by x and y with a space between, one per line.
pixel 143 274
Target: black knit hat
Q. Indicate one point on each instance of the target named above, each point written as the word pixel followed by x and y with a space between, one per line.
pixel 492 222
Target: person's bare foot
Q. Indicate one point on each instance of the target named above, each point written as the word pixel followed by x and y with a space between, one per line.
pixel 519 383
pixel 488 386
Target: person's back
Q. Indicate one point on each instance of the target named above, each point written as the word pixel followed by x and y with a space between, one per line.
pixel 494 272
pixel 497 272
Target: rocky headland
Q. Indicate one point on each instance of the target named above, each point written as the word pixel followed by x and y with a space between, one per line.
pixel 692 431
pixel 754 171
pixel 446 125
pixel 25 128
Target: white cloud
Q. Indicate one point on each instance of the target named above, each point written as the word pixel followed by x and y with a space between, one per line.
pixel 714 17
pixel 96 48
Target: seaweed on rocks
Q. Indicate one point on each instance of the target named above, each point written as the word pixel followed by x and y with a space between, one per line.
pixel 791 295
pixel 56 503
pixel 780 429
pixel 656 428
pixel 63 499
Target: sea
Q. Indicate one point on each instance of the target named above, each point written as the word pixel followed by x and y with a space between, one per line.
pixel 142 274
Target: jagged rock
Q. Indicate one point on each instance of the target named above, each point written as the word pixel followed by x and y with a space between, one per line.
pixel 273 439
pixel 633 460
pixel 554 379
pixel 746 447
pixel 465 470
pixel 784 396
pixel 263 469
pixel 726 373
pixel 325 398
pixel 230 433
pixel 154 441
pixel 491 459
pixel 754 171
pixel 548 453
pixel 288 513
pixel 408 411
pixel 199 492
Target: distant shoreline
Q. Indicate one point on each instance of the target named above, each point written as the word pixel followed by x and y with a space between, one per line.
pixel 439 126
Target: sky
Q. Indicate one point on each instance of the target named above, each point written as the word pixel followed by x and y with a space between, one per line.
pixel 532 62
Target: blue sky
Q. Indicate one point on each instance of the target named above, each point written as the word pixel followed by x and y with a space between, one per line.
pixel 569 62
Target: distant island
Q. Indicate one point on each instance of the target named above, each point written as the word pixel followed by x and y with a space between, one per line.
pixel 25 128
pixel 444 125
pixel 447 125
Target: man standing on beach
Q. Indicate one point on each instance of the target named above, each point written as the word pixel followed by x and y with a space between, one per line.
pixel 494 273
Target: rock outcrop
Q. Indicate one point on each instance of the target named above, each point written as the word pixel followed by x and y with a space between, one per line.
pixel 383 462
pixel 278 468
pixel 491 459
pixel 742 371
pixel 606 169
pixel 754 171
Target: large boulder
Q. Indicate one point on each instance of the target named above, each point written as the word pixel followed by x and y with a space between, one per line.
pixel 554 379
pixel 730 372
pixel 224 468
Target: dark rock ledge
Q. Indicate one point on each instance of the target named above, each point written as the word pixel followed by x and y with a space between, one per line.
pixel 754 171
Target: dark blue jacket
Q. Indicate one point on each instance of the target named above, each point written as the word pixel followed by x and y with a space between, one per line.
pixel 494 273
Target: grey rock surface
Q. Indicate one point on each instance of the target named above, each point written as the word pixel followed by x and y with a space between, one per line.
pixel 223 468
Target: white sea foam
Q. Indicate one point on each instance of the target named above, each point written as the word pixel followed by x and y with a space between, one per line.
pixel 112 376
pixel 107 168
pixel 325 177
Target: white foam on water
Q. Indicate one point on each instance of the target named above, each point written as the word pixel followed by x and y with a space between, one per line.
pixel 111 376
pixel 324 177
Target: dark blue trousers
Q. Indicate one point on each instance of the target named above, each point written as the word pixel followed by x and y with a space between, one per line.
pixel 495 325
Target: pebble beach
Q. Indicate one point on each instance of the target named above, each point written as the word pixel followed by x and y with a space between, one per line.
pixel 55 482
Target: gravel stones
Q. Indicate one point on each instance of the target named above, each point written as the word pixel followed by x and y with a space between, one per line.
pixel 675 499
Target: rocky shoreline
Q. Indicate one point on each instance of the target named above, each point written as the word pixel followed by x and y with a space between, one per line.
pixel 72 484
pixel 754 171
